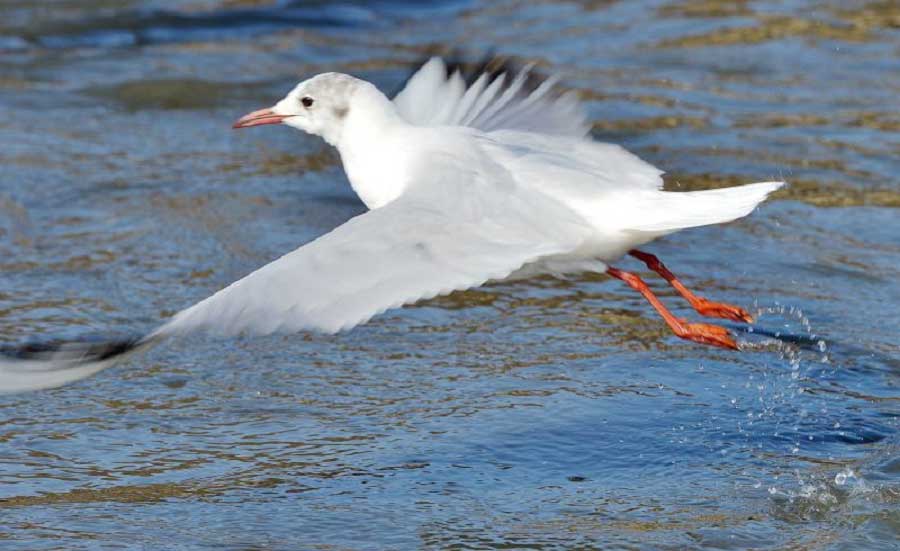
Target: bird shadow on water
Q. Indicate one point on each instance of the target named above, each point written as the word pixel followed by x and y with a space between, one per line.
pixel 795 335
pixel 795 332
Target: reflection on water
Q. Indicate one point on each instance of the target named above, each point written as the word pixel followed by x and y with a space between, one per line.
pixel 529 414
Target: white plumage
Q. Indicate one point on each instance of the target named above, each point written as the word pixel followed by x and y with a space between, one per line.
pixel 433 98
pixel 465 185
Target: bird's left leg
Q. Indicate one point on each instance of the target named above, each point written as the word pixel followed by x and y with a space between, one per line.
pixel 703 306
pixel 703 333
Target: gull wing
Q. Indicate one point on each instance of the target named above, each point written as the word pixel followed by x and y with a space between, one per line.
pixel 432 97
pixel 435 239
pixel 426 243
pixel 565 167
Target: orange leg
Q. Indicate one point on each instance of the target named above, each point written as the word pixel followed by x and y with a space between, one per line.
pixel 703 333
pixel 703 306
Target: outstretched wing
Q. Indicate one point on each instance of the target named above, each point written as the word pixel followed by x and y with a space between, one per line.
pixel 455 233
pixel 431 241
pixel 432 97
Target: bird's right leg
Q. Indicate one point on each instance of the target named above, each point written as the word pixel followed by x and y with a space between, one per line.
pixel 703 333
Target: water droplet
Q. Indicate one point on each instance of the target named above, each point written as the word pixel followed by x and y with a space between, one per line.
pixel 841 478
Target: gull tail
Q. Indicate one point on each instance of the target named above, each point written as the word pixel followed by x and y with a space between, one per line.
pixel 664 212
pixel 49 365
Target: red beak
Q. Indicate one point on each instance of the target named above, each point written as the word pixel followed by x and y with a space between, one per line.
pixel 257 118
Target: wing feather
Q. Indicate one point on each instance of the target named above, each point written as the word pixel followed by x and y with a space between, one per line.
pixel 449 236
pixel 454 233
pixel 484 99
pixel 432 98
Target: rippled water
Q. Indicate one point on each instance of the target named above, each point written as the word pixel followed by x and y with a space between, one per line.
pixel 535 414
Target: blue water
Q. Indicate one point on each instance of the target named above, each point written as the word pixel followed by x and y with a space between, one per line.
pixel 538 414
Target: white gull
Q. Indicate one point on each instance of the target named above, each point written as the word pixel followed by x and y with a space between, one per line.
pixel 465 184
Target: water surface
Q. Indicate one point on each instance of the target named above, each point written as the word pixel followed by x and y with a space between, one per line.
pixel 538 414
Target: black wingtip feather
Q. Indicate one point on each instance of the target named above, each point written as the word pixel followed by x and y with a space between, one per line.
pixel 89 350
pixel 491 63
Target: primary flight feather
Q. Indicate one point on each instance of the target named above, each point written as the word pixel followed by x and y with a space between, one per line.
pixel 465 184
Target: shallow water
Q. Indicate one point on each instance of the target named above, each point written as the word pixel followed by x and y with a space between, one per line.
pixel 537 414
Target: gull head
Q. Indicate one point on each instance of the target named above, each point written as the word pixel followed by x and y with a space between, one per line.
pixel 318 106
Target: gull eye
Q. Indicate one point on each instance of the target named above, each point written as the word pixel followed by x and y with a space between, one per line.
pixel 306 101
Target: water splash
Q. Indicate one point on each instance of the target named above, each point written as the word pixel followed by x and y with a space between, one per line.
pixel 822 495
